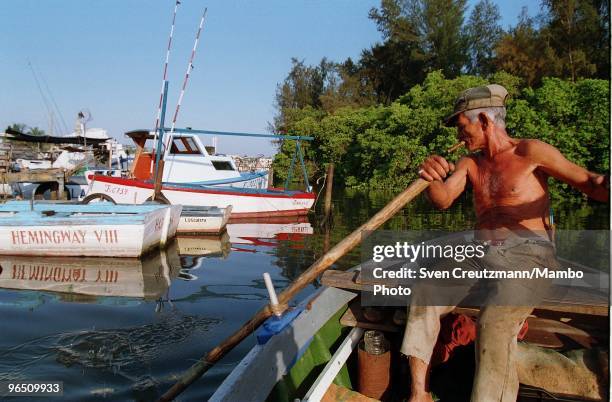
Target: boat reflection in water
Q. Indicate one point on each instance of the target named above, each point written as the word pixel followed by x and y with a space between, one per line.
pixel 193 249
pixel 88 279
pixel 209 246
pixel 148 278
pixel 267 232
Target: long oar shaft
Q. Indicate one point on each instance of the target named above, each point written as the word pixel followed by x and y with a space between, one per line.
pixel 316 269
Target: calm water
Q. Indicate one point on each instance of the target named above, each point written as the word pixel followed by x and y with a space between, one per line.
pixel 114 329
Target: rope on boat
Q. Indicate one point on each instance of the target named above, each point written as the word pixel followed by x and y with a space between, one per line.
pixel 161 95
pixel 324 177
pixel 186 79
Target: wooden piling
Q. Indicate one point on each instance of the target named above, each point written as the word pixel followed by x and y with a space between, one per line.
pixel 270 177
pixel 158 180
pixel 329 184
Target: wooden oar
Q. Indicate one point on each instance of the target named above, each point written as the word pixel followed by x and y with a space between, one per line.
pixel 316 269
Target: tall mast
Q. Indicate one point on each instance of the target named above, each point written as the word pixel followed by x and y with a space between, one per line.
pixel 186 79
pixel 165 74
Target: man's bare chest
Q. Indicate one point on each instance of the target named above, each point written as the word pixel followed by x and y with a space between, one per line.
pixel 505 179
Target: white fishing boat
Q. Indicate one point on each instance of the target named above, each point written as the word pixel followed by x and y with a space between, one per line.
pixel 245 202
pixel 97 230
pixel 182 163
pixel 187 160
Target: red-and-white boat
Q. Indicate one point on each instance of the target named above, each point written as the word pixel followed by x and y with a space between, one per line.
pixel 184 151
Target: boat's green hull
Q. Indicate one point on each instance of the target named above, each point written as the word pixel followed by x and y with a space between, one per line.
pixel 298 380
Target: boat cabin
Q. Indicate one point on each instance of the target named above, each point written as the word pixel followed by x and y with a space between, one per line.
pixel 186 159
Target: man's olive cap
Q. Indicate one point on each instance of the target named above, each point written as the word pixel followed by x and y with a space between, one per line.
pixel 475 98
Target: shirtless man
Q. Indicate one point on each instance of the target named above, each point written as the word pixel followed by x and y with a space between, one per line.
pixel 509 181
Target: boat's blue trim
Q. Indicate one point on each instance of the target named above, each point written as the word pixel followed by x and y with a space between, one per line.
pixel 44 213
pixel 236 134
pixel 25 219
pixel 98 207
pixel 242 177
pixel 232 189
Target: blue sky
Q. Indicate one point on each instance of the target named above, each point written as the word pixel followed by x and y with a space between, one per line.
pixel 108 55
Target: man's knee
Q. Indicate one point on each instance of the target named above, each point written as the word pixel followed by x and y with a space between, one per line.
pixel 503 321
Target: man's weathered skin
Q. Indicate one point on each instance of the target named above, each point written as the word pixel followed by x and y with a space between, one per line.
pixel 509 178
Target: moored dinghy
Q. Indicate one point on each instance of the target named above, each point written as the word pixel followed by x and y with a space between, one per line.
pixel 203 220
pixel 96 230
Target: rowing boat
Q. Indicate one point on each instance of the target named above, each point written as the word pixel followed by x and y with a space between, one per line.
pixel 310 353
pixel 95 230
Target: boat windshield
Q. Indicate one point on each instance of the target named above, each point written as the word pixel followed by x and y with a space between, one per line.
pixel 184 146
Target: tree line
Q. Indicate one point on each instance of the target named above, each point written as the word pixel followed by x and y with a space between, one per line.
pixel 378 117
pixel 25 129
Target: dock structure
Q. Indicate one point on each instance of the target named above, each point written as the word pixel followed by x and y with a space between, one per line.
pixel 57 178
pixel 19 152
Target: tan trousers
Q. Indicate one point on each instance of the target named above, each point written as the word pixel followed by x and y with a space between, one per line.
pixel 496 377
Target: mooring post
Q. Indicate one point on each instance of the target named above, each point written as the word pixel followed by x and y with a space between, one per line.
pixel 59 194
pixel 326 238
pixel 110 157
pixel 329 184
pixel 270 177
pixel 274 305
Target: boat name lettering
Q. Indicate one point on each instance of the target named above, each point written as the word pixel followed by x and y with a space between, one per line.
pixel 109 236
pixel 115 190
pixel 195 219
pixel 48 236
pixel 110 276
pixel 51 273
pixel 25 237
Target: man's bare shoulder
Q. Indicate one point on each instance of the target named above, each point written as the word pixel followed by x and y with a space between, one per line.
pixel 535 150
pixel 467 162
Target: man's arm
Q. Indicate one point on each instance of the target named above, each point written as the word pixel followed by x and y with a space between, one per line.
pixel 552 162
pixel 442 192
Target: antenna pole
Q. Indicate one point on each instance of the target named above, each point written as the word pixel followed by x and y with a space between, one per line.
pixel 42 94
pixel 164 81
pixel 186 79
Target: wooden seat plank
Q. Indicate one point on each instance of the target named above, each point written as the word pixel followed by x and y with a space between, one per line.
pixel 564 299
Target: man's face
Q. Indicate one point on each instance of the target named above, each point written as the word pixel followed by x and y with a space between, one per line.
pixel 471 133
